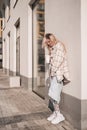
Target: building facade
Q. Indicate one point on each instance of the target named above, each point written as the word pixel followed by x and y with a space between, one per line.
pixel 24 25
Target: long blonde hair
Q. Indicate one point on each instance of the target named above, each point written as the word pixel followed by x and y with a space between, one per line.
pixel 48 36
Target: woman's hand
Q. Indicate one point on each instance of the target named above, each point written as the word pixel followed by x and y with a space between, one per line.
pixel 43 42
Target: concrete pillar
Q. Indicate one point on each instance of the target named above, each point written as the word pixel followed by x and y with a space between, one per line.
pixel 83 64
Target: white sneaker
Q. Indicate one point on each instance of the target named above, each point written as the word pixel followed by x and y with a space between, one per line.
pixel 52 116
pixel 58 119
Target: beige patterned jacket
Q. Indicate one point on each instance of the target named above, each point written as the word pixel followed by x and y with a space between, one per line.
pixel 58 62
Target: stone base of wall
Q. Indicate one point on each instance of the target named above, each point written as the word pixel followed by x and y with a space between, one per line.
pixel 75 111
pixel 24 81
pixel 84 115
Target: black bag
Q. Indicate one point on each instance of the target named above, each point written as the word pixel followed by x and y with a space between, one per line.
pixel 65 81
pixel 50 105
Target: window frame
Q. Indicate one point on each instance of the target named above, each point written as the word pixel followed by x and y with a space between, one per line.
pixel 9 10
pixel 15 2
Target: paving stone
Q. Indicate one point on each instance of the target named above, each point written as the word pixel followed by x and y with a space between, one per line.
pixel 14 125
pixel 24 110
pixel 3 128
pixel 8 127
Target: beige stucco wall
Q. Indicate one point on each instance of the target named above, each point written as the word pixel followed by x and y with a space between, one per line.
pixel 64 22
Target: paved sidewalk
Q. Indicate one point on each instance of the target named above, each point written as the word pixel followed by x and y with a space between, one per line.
pixel 24 110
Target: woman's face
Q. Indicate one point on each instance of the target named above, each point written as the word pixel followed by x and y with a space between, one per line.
pixel 50 42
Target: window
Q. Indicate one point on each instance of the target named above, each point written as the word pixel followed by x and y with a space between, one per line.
pixel 1 27
pixel 17 26
pixel 0 48
pixel 4 16
pixel 38 51
pixel 8 42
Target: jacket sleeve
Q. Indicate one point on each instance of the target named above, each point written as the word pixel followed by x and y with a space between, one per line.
pixel 57 59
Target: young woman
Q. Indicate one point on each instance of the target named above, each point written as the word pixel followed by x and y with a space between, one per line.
pixel 58 69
